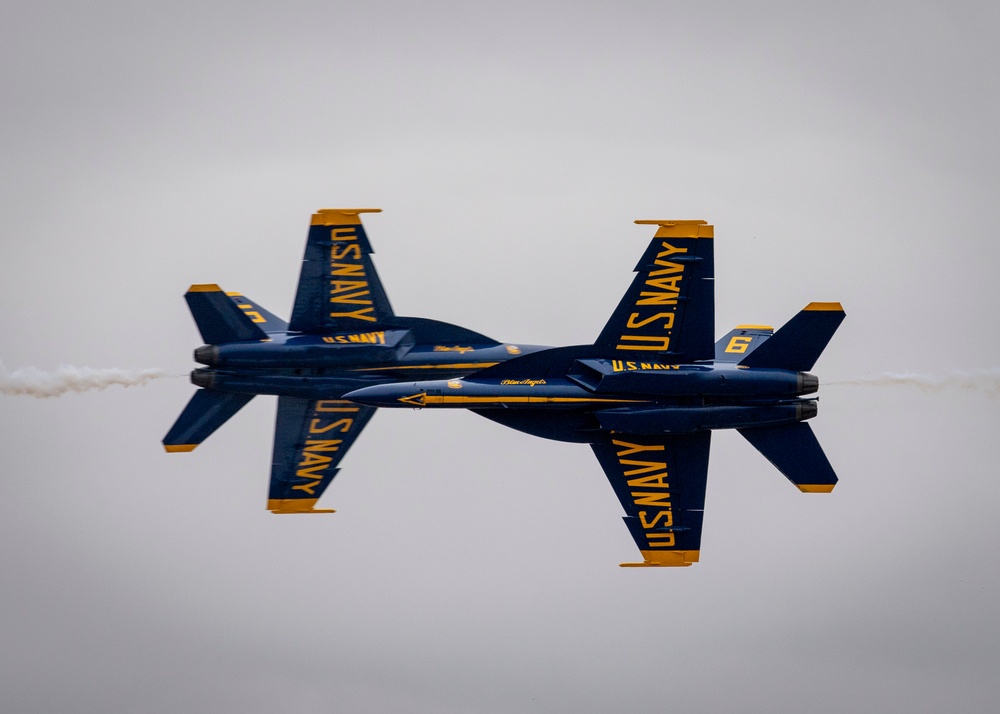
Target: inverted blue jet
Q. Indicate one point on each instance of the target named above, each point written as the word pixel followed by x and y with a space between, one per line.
pixel 648 393
pixel 343 336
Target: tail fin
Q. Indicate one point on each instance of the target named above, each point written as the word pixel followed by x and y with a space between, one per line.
pixel 739 343
pixel 206 412
pixel 258 315
pixel 799 343
pixel 218 317
pixel 795 452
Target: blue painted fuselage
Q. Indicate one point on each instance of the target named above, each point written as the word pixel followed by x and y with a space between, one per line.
pixel 328 366
pixel 615 395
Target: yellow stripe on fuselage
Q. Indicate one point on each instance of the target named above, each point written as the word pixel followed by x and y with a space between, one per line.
pixel 424 399
pixel 463 365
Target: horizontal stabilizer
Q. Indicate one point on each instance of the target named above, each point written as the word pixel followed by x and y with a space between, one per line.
pixel 800 342
pixel 206 412
pixel 795 452
pixel 218 317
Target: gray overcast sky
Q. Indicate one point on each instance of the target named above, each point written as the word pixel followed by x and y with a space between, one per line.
pixel 844 151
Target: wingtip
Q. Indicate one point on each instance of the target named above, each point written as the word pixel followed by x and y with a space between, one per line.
pixel 284 506
pixel 665 559
pixel 178 448
pixel 824 307
pixel 816 487
pixel 340 216
pixel 679 229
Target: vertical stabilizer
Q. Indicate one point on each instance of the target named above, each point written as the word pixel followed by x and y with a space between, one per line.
pixel 218 317
pixel 801 340
pixel 741 341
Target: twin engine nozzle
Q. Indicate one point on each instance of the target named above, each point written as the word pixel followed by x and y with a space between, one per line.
pixel 207 355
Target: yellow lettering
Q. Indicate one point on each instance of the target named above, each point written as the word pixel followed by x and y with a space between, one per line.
pixel 311 471
pixel 661 500
pixel 670 250
pixel 668 541
pixel 345 424
pixel 657 299
pixel 617 365
pixel 659 343
pixel 356 314
pixel 314 427
pixel 657 481
pixel 353 298
pixel 339 252
pixel 668 267
pixel 739 344
pixel 667 284
pixel 332 445
pixel 307 487
pixel 343 233
pixel 350 269
pixel 336 405
pixel 668 318
pixel 667 516
pixel 645 466
pixel 631 448
pixel 342 286
pixel 309 459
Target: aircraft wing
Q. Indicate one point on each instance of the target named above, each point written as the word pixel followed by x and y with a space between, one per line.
pixel 311 436
pixel 660 481
pixel 669 310
pixel 339 290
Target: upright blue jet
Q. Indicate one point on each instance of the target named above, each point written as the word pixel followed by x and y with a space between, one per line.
pixel 343 335
pixel 650 390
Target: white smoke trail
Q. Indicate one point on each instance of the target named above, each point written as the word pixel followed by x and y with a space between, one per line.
pixel 978 380
pixel 33 382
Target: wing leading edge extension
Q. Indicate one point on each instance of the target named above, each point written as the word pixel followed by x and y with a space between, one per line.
pixel 660 481
pixel 311 436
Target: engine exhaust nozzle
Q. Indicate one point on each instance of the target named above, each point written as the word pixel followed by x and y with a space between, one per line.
pixel 808 383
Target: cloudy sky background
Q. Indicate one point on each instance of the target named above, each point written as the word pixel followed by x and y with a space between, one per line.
pixel 844 151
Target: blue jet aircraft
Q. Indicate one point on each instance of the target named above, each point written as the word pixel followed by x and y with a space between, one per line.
pixel 343 335
pixel 648 393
